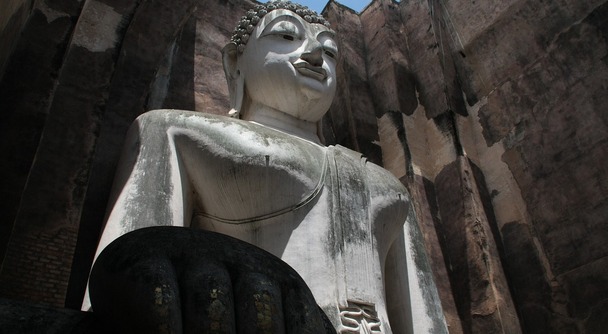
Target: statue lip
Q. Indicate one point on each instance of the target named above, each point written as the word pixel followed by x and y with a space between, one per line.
pixel 308 70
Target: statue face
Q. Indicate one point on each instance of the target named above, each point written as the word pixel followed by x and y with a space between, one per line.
pixel 290 65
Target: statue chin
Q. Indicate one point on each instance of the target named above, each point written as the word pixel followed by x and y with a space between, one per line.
pixel 304 99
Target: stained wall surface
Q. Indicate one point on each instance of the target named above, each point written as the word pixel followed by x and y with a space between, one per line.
pixel 492 113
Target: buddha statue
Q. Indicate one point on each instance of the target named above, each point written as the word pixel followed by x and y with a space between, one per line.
pixel 261 177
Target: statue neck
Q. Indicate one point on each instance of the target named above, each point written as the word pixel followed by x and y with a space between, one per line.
pixel 283 122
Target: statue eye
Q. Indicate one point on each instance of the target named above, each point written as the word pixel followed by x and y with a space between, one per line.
pixel 329 47
pixel 283 29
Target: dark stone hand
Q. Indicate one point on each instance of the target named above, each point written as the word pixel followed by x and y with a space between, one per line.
pixel 180 280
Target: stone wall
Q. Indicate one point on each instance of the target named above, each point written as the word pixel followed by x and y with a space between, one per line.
pixel 529 141
pixel 13 14
pixel 36 244
pixel 492 113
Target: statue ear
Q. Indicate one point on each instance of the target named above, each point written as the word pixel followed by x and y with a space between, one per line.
pixel 236 81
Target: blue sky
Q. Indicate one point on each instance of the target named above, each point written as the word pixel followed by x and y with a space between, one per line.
pixel 318 5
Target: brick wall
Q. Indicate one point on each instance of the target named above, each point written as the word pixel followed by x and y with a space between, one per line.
pixel 37 266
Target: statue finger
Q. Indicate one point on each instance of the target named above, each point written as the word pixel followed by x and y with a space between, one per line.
pixel 301 313
pixel 207 299
pixel 141 298
pixel 258 304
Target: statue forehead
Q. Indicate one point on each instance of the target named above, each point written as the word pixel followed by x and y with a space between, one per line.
pixel 254 16
pixel 288 15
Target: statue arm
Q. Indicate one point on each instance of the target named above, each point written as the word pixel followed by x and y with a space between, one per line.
pixel 409 281
pixel 149 187
pixel 408 278
pixel 146 191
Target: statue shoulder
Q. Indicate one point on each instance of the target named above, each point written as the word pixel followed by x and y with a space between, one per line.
pixel 384 180
pixel 236 135
pixel 379 180
pixel 166 118
pixel 217 130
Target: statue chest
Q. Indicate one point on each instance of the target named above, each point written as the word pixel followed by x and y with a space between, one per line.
pixel 238 172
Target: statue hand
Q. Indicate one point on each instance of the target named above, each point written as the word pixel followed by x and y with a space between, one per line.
pixel 174 280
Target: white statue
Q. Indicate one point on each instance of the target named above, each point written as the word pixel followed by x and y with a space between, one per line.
pixel 265 178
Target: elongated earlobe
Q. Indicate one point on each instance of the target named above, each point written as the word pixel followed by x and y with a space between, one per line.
pixel 236 81
pixel 239 96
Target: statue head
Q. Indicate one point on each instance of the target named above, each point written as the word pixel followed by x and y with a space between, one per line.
pixel 282 56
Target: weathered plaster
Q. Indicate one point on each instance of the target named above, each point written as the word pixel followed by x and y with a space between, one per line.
pixel 97 31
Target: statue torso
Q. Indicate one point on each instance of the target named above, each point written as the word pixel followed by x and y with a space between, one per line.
pixel 323 210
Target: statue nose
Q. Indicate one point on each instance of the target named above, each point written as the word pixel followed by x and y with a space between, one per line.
pixel 314 55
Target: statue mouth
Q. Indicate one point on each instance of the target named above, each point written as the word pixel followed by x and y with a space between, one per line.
pixel 308 70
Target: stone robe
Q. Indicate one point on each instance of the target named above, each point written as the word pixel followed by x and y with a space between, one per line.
pixel 337 219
